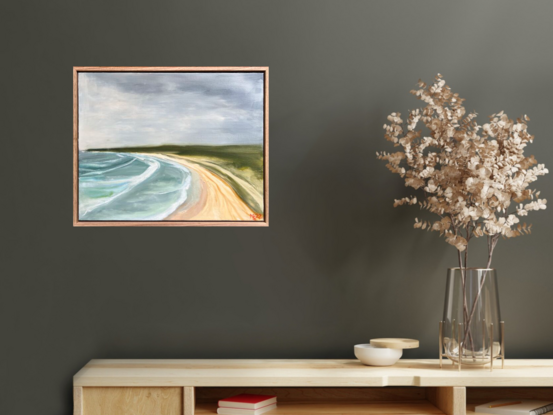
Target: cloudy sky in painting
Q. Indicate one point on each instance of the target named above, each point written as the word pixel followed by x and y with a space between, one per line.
pixel 139 109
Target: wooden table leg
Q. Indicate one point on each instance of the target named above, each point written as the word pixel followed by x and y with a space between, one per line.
pixel 450 400
pixel 188 400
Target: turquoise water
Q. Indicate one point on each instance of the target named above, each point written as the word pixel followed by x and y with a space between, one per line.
pixel 125 186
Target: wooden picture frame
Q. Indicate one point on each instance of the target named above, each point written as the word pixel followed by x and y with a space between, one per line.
pixel 256 219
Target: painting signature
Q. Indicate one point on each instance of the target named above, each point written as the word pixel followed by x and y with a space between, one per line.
pixel 256 216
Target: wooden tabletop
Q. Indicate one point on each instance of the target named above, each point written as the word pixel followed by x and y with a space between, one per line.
pixel 304 373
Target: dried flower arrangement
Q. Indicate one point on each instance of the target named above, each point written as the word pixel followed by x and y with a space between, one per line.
pixel 475 178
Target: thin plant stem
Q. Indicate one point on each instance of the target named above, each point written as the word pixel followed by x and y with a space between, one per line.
pixel 491 246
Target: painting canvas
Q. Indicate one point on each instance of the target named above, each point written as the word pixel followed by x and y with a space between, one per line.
pixel 170 146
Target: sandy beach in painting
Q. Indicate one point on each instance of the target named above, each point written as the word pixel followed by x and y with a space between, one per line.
pixel 211 199
pixel 172 183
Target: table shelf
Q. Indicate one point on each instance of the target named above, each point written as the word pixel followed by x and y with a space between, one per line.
pixel 303 387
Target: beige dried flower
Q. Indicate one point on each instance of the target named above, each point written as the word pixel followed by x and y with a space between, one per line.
pixel 475 178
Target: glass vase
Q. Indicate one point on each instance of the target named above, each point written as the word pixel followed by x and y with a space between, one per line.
pixel 471 332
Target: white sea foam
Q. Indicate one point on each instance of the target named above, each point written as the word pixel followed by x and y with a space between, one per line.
pixel 98 172
pixel 121 193
pixel 183 195
pixel 132 182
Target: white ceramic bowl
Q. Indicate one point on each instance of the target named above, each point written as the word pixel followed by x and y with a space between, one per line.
pixel 377 356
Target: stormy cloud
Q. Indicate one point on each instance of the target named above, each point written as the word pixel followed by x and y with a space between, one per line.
pixel 139 109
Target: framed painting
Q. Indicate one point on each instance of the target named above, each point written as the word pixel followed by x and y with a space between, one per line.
pixel 170 146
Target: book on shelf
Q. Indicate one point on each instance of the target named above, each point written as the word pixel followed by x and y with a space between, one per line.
pixel 242 411
pixel 247 401
pixel 515 407
pixel 247 404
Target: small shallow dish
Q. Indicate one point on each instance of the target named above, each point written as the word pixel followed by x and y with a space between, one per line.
pixel 376 356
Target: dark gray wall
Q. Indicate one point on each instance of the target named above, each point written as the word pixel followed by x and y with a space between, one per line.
pixel 337 266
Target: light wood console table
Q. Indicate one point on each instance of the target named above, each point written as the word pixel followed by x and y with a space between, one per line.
pixel 303 387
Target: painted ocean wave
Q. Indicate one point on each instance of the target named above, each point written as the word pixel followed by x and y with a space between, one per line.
pixel 126 186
